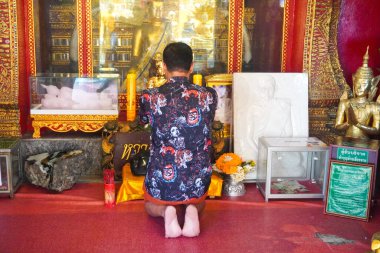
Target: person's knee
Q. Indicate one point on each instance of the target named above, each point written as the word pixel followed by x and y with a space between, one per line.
pixel 200 206
pixel 149 208
pixel 153 209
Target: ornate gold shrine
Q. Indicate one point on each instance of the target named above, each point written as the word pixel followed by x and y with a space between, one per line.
pixel 21 52
pixel 321 61
pixel 65 123
pixel 221 129
pixel 88 37
pixel 223 82
pixel 11 65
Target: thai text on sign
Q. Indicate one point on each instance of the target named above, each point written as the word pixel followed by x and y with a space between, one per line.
pixel 352 155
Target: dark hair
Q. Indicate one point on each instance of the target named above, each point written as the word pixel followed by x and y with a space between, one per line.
pixel 178 56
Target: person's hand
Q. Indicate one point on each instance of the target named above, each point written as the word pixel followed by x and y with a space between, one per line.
pixel 352 120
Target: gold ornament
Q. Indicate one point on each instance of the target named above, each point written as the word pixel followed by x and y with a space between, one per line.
pixel 359 116
pixel 375 242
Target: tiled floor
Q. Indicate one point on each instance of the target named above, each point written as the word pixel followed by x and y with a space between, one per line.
pixel 77 221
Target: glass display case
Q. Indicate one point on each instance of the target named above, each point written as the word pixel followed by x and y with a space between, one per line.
pixel 64 102
pixel 123 36
pixel 292 167
pixel 119 36
pixel 129 34
pixel 222 138
pixel 11 175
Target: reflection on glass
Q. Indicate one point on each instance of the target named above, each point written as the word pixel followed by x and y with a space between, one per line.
pixel 289 164
pixel 262 35
pixel 16 173
pixel 127 34
pixel 68 93
pixel 55 36
pixel 3 173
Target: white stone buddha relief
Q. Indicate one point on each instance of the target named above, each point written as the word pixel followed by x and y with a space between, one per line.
pixel 268 105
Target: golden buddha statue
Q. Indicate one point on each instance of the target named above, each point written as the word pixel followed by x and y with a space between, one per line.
pixel 359 115
pixel 156 72
pixel 375 242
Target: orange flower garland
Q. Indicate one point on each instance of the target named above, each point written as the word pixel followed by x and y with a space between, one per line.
pixel 228 163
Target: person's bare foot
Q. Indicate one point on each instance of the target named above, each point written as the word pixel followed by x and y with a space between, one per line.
pixel 191 227
pixel 172 228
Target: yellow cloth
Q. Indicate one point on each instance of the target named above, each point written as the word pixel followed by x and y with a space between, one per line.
pixel 215 188
pixel 132 186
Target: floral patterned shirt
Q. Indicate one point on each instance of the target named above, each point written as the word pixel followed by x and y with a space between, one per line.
pixel 181 115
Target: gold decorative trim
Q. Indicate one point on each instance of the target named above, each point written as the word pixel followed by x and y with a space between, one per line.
pixel 81 42
pixel 65 123
pixel 9 70
pixel 239 42
pixel 122 100
pixel 14 54
pixel 333 49
pixel 5 55
pixel 30 35
pixel 7 114
pixel 9 125
pixel 9 54
pixel 309 28
pixel 231 31
pixel 89 63
pixel 235 38
pixel 321 50
pixel 285 36
pixel 321 61
pixel 219 79
pixel 9 130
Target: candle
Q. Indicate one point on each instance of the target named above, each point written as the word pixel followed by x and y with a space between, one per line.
pixel 197 79
pixel 131 97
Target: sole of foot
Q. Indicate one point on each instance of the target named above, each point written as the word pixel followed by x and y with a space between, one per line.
pixel 172 228
pixel 191 227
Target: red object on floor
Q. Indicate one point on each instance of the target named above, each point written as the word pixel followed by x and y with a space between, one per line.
pixel 77 221
pixel 109 195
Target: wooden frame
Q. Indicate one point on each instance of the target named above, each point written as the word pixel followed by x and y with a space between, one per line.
pixel 342 198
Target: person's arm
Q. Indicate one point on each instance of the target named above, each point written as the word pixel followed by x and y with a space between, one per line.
pixel 375 128
pixel 341 122
pixel 144 108
pixel 214 104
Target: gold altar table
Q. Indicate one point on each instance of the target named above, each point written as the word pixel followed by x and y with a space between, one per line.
pixel 132 186
pixel 64 123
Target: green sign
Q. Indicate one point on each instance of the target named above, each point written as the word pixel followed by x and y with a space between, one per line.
pixel 352 155
pixel 349 189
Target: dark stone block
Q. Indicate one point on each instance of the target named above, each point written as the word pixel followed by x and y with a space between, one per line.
pixel 58 171
pixel 89 163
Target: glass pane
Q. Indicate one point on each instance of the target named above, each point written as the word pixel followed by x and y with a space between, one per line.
pixel 16 168
pixel 67 94
pixel 130 34
pixel 287 164
pixel 3 174
pixel 55 36
pixel 262 35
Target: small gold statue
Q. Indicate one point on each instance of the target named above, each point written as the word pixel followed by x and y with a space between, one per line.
pixel 359 115
pixel 156 72
pixel 375 242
